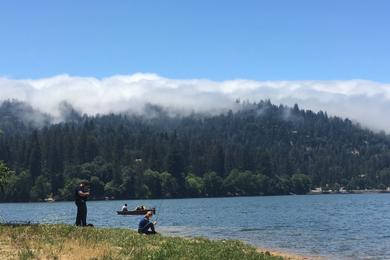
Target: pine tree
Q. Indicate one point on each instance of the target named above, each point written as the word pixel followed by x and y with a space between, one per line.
pixel 35 164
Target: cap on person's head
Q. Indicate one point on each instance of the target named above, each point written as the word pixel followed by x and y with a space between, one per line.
pixel 85 182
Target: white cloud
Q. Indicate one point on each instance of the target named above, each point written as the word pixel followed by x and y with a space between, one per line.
pixel 367 102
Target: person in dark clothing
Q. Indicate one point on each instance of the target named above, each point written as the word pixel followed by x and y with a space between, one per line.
pixel 146 226
pixel 81 195
pixel 142 207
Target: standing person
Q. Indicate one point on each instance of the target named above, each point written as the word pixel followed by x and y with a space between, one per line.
pixel 81 195
pixel 145 224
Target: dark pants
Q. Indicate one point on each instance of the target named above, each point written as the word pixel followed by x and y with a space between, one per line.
pixel 81 218
pixel 146 230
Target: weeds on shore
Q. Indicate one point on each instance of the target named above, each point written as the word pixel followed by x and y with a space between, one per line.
pixel 70 242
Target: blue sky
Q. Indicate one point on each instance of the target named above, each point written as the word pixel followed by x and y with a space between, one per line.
pixel 217 40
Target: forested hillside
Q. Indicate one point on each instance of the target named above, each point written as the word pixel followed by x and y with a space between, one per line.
pixel 259 149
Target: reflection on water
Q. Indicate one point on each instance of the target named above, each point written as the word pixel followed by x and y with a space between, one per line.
pixel 337 226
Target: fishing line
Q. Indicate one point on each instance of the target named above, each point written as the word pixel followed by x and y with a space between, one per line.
pixel 159 209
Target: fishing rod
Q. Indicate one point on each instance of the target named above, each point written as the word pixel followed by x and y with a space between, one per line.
pixel 159 209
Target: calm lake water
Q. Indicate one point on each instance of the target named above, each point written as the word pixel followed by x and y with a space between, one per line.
pixel 334 226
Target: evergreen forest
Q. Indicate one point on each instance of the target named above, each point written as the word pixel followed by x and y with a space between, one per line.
pixel 258 149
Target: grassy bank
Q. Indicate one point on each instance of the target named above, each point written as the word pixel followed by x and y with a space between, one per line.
pixel 69 242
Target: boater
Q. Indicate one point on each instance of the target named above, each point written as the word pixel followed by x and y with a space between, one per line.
pixel 145 224
pixel 81 196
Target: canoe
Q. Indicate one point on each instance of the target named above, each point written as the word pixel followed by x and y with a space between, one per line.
pixel 136 212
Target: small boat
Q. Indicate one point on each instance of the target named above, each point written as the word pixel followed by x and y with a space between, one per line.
pixel 136 212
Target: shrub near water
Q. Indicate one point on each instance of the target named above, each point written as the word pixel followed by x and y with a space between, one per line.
pixel 69 242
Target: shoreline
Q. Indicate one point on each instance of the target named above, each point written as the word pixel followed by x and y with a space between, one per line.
pixel 31 240
pixel 70 242
pixel 279 252
pixel 357 192
pixel 288 255
pixel 353 192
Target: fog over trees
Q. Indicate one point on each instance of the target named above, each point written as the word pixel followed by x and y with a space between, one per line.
pixel 260 149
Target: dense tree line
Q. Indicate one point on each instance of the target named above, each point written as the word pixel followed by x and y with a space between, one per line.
pixel 259 149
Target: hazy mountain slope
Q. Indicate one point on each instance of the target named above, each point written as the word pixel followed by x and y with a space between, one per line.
pixel 261 149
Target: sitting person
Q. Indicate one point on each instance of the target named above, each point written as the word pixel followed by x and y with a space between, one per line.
pixel 124 208
pixel 145 224
pixel 142 207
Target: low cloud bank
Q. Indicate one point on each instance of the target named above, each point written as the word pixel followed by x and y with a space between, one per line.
pixel 367 102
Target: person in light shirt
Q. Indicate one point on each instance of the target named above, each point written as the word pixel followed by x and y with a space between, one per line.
pixel 124 207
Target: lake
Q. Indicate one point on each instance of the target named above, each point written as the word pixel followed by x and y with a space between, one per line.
pixel 334 226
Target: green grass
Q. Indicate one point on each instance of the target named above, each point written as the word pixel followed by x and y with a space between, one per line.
pixel 70 242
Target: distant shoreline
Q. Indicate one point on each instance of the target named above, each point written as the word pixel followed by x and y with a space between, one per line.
pixel 371 191
pixel 368 191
